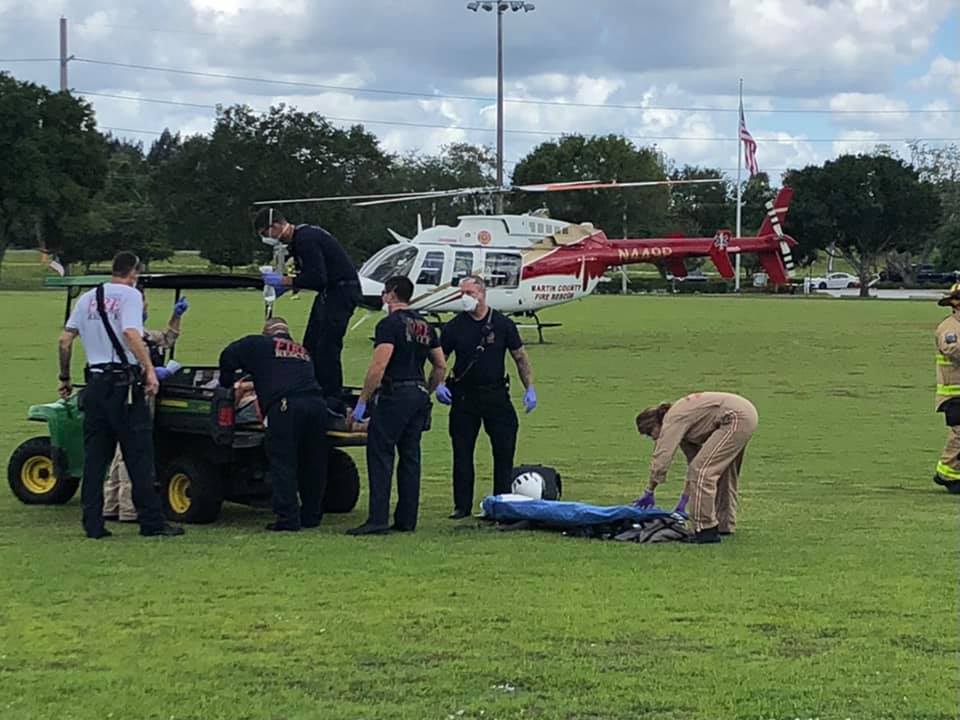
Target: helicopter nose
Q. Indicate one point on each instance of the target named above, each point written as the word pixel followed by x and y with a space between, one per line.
pixel 371 293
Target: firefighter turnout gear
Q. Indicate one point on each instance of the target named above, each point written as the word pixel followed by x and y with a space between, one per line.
pixel 948 393
pixel 712 429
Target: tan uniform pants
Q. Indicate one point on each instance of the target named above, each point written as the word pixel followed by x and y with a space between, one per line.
pixel 118 491
pixel 714 472
pixel 949 466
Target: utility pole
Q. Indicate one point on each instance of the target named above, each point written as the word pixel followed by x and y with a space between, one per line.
pixel 64 58
pixel 501 6
pixel 736 282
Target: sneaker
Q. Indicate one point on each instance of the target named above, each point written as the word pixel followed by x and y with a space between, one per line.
pixel 369 529
pixel 164 531
pixel 707 535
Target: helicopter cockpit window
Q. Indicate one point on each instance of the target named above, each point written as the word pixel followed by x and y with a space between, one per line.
pixel 432 268
pixel 502 270
pixel 399 262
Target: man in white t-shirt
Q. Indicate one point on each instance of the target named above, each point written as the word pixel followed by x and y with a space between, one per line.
pixel 119 378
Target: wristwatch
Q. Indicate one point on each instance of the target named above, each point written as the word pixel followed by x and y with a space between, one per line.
pixel 64 378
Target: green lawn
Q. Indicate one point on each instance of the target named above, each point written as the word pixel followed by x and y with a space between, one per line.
pixel 836 599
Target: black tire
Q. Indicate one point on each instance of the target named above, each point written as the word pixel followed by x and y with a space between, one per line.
pixel 822 286
pixel 851 285
pixel 190 489
pixel 32 476
pixel 343 483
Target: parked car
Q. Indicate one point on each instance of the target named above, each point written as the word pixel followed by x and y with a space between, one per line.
pixel 695 275
pixel 835 281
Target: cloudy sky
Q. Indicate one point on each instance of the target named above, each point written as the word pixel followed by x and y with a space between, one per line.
pixel 821 77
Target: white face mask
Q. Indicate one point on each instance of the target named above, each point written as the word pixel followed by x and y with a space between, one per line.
pixel 386 308
pixel 267 240
pixel 469 303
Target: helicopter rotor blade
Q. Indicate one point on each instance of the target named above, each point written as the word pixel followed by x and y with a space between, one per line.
pixel 593 185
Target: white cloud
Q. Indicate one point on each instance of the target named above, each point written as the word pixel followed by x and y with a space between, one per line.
pixel 943 76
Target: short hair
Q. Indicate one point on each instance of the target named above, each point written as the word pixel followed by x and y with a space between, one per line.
pixel 276 326
pixel 651 417
pixel 266 217
pixel 124 263
pixel 400 286
pixel 475 279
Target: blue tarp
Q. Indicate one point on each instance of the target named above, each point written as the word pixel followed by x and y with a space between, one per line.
pixel 564 514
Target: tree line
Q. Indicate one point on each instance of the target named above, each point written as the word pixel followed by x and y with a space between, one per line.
pixel 80 194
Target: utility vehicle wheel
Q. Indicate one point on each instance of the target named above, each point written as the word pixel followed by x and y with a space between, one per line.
pixel 343 483
pixel 32 477
pixel 190 489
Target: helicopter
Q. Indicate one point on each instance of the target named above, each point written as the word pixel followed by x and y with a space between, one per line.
pixel 531 261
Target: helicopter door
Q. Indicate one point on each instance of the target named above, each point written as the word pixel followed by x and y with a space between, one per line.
pixel 501 271
pixel 429 271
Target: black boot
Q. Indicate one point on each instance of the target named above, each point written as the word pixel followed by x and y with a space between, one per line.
pixel 164 531
pixel 459 514
pixel 369 528
pixel 952 486
pixel 707 535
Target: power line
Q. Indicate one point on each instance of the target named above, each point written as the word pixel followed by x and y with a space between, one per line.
pixel 544 133
pixel 28 60
pixel 476 98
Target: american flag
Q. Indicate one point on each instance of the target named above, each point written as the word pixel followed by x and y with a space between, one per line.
pixel 749 145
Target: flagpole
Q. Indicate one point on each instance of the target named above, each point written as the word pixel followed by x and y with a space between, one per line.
pixel 739 162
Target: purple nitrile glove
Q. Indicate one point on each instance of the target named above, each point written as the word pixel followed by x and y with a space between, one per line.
pixel 162 373
pixel 180 307
pixel 530 399
pixel 443 394
pixel 645 501
pixel 358 411
pixel 682 505
pixel 274 280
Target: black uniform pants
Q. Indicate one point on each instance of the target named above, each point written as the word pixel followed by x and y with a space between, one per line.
pixel 396 423
pixel 323 338
pixel 492 408
pixel 107 420
pixel 297 455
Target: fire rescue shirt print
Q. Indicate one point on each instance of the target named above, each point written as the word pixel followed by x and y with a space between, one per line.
pixel 124 306
pixel 279 367
pixel 412 338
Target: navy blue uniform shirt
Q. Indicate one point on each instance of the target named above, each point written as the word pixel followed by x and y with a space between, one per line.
pixel 322 263
pixel 412 338
pixel 279 367
pixel 495 334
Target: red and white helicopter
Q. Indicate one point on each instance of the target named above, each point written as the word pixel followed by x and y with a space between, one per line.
pixel 531 261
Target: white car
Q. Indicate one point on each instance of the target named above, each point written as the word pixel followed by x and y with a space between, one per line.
pixel 835 281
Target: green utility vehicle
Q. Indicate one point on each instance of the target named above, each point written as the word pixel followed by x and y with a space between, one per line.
pixel 206 450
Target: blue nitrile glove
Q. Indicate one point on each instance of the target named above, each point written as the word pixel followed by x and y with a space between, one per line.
pixel 180 307
pixel 645 501
pixel 274 280
pixel 162 373
pixel 530 399
pixel 359 410
pixel 443 394
pixel 682 505
pixel 173 366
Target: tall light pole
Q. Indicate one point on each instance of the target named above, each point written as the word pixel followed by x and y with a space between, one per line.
pixel 501 6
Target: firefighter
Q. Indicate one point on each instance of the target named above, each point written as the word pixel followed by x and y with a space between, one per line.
pixel 295 414
pixel 712 429
pixel 399 398
pixel 948 390
pixel 324 266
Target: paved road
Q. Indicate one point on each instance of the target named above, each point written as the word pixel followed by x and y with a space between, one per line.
pixel 888 294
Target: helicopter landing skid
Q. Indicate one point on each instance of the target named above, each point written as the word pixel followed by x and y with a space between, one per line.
pixel 537 323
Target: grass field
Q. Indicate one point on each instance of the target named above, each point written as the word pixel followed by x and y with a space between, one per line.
pixel 837 598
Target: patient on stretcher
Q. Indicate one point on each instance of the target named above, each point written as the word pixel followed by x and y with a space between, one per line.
pixel 248 413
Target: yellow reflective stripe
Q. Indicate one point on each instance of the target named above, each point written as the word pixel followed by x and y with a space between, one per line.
pixel 943 360
pixel 948 389
pixel 947 472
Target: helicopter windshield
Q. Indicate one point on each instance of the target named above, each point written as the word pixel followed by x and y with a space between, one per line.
pixel 397 262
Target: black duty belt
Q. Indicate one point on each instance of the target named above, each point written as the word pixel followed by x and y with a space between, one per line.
pixel 406 383
pixel 108 368
pixel 491 387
